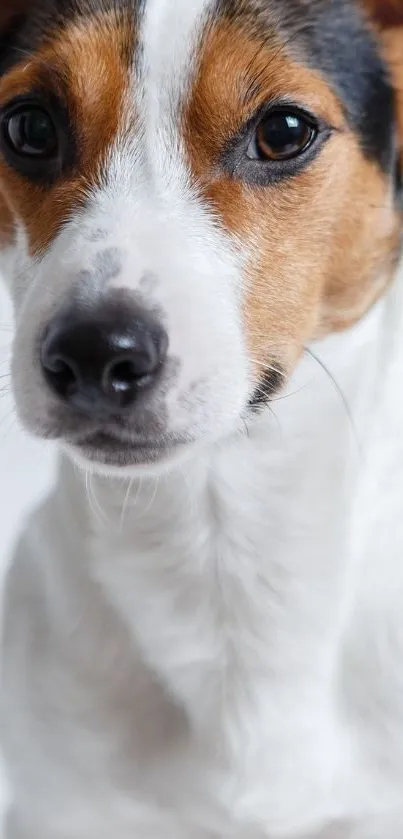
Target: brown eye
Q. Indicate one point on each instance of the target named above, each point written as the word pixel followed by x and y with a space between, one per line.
pixel 30 132
pixel 36 136
pixel 282 135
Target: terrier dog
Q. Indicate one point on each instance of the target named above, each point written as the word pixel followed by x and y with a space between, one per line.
pixel 201 225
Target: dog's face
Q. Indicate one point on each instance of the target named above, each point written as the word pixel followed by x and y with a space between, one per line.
pixel 193 190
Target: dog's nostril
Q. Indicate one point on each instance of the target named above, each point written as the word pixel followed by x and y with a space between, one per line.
pixel 61 369
pixel 60 373
pixel 123 375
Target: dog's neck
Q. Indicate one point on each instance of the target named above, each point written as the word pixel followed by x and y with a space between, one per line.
pixel 236 572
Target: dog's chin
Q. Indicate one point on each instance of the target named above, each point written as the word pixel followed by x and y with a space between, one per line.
pixel 107 455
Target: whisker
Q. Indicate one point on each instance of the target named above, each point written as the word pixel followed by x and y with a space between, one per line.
pixel 267 365
pixel 96 507
pixel 139 486
pixel 341 394
pixel 289 395
pixel 152 499
pixel 125 504
pixel 276 420
pixel 87 489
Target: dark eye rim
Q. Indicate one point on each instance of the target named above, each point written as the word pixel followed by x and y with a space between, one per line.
pixel 39 168
pixel 20 111
pixel 266 172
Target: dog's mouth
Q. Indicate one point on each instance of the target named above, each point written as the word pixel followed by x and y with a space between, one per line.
pixel 110 449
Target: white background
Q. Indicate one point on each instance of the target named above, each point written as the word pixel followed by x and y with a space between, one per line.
pixel 25 465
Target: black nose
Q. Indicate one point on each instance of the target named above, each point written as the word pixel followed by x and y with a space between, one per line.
pixel 99 361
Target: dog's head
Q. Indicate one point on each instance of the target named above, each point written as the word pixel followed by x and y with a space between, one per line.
pixel 191 191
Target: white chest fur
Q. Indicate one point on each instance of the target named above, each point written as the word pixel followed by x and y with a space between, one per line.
pixel 257 591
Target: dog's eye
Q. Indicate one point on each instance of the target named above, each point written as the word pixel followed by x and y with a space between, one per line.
pixel 281 135
pixel 30 132
pixel 37 138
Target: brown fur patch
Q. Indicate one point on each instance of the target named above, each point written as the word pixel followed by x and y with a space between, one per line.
pixel 393 48
pixel 86 66
pixel 7 225
pixel 320 245
pixel 385 12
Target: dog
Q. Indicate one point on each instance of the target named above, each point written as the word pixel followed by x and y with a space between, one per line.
pixel 201 226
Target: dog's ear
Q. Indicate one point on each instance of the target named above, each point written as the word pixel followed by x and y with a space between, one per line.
pixel 387 17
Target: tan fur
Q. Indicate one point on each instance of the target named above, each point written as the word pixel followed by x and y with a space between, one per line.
pixel 393 46
pixel 321 246
pixel 7 226
pixel 88 63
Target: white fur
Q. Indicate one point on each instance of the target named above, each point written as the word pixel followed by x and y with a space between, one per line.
pixel 217 652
